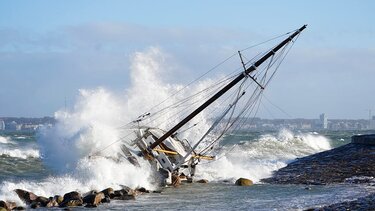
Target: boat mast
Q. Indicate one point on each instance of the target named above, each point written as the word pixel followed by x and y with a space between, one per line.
pixel 226 88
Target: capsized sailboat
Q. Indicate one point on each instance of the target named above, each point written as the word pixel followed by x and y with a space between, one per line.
pixel 174 158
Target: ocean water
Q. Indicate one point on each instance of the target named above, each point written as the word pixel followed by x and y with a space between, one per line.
pixel 251 155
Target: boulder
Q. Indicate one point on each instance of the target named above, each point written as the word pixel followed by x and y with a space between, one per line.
pixel 7 205
pixel 108 192
pixel 202 181
pixel 142 190
pixel 244 182
pixel 58 199
pixel 71 203
pixel 106 199
pixel 11 205
pixel 156 191
pixel 26 196
pixel 43 201
pixel 125 193
pixel 52 202
pixel 93 199
pixel 126 190
pixel 72 195
pixel 35 205
pixel 72 199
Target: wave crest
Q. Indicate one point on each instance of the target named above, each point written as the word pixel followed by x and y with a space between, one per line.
pixel 256 159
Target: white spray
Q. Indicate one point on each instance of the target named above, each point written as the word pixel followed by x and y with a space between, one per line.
pixel 256 159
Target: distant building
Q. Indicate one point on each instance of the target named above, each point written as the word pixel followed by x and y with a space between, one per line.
pixel 2 125
pixel 323 121
pixel 372 123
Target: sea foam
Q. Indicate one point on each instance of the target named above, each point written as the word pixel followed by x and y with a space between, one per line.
pixel 20 153
pixel 256 159
pixel 4 140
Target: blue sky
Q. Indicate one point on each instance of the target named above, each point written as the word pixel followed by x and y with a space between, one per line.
pixel 50 49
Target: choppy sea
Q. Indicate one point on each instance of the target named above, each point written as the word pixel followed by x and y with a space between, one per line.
pixel 27 163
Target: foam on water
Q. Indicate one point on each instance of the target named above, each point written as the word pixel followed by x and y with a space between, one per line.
pixel 4 140
pixel 20 153
pixel 257 159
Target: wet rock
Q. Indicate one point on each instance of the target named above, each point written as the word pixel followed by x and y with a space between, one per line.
pixel 125 193
pixel 126 190
pixel 72 195
pixel 106 199
pixel 43 201
pixel 72 199
pixel 35 205
pixel 332 166
pixel 52 202
pixel 156 191
pixel 108 192
pixel 4 205
pixel 90 193
pixel 202 181
pixel 142 190
pixel 11 205
pixel 94 199
pixel 243 182
pixel 71 203
pixel 26 196
pixel 58 199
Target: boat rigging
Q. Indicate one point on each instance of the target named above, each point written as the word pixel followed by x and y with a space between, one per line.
pixel 172 157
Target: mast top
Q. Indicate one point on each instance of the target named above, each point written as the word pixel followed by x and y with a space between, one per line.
pixel 227 87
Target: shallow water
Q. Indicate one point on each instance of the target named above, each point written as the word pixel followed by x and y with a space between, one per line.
pixel 220 196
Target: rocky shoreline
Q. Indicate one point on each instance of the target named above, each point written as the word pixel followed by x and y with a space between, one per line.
pixel 90 199
pixel 338 165
pixel 351 163
pixel 73 198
